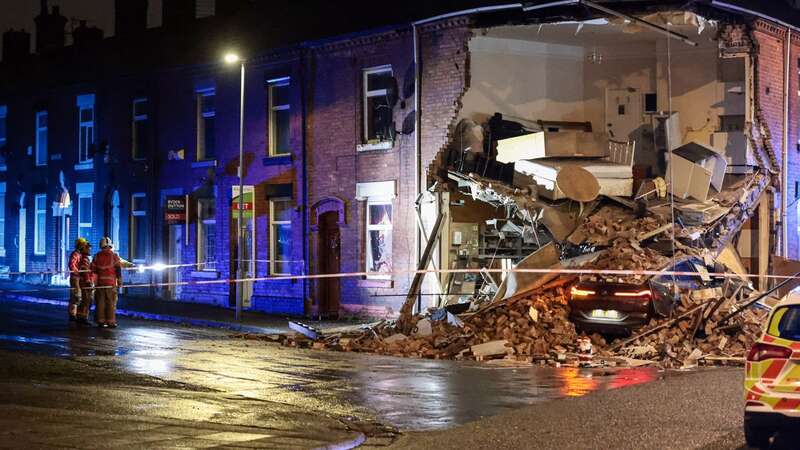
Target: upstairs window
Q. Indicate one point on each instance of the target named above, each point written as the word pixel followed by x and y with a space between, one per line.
pixel 138 228
pixel 206 131
pixel 139 129
pixel 378 89
pixel 279 115
pixel 3 133
pixel 41 138
pixel 85 127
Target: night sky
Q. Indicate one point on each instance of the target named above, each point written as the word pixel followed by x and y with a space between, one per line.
pixel 100 13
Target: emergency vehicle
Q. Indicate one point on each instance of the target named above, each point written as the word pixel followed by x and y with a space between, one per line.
pixel 772 376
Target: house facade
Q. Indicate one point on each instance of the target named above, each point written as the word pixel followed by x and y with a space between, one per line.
pixel 136 137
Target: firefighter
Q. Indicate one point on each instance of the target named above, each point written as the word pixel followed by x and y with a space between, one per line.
pixel 74 278
pixel 107 270
pixel 85 282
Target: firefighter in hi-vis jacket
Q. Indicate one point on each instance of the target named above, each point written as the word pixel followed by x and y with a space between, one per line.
pixel 107 269
pixel 85 282
pixel 74 277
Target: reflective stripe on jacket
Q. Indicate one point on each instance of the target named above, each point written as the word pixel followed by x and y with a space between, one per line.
pixel 74 264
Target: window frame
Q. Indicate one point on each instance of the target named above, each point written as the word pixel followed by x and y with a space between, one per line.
pixel 83 154
pixel 367 95
pixel 273 236
pixel 39 238
pixel 2 219
pixel 273 108
pixel 137 140
pixel 82 225
pixel 201 144
pixel 377 201
pixel 201 250
pixel 133 228
pixel 39 145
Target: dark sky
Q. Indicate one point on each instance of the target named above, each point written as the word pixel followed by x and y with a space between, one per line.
pixel 20 13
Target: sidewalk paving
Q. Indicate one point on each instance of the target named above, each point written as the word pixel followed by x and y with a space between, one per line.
pixel 193 314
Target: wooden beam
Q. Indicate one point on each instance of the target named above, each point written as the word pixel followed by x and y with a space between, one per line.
pixel 405 312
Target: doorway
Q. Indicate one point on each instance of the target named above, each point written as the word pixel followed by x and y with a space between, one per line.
pixel 249 263
pixel 22 240
pixel 330 263
pixel 174 258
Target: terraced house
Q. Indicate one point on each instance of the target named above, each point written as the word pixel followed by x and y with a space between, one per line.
pixel 354 136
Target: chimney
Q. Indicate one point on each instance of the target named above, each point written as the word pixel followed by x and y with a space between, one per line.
pixel 84 34
pixel 178 13
pixel 16 45
pixel 49 28
pixel 130 17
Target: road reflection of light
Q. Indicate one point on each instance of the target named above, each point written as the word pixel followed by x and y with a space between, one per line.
pixel 632 377
pixel 576 383
pixel 155 362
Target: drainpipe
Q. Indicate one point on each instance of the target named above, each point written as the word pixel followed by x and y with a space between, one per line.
pixel 785 156
pixel 418 105
pixel 305 182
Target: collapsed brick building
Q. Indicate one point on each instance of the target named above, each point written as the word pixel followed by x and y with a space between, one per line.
pixel 348 127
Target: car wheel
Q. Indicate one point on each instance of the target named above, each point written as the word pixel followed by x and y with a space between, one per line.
pixel 757 437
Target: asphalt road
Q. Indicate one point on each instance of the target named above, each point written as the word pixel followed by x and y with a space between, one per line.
pixel 154 385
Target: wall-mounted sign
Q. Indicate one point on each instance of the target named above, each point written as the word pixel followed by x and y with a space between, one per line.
pixel 247 202
pixel 175 212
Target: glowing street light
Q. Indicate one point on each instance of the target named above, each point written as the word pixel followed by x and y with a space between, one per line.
pixel 231 58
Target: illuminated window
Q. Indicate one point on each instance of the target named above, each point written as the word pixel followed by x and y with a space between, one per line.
pixel 85 196
pixel 378 226
pixel 378 89
pixel 40 227
pixel 139 129
pixel 280 244
pixel 41 138
pixel 3 219
pixel 279 115
pixel 206 234
pixel 206 127
pixel 138 244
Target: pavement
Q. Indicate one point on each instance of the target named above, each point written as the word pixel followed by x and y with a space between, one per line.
pixel 147 308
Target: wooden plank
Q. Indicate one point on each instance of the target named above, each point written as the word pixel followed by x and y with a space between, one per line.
pixel 405 312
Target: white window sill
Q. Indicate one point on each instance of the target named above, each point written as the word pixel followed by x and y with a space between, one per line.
pixel 209 274
pixel 209 163
pixel 38 254
pixel 86 165
pixel 385 145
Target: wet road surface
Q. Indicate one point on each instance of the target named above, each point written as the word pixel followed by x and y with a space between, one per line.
pixel 157 371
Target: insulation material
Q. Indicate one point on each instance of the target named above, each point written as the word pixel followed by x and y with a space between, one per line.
pixel 548 145
pixel 694 170
pixel 614 179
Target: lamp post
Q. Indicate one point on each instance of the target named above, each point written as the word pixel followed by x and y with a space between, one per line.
pixel 230 59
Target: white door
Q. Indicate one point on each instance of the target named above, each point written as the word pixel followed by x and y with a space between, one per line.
pixel 22 240
pixel 249 263
pixel 624 113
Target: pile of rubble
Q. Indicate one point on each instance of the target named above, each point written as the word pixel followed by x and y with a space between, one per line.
pixel 536 329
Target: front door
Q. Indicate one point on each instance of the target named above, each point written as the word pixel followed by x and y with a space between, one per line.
pixel 248 262
pixel 329 252
pixel 22 239
pixel 174 273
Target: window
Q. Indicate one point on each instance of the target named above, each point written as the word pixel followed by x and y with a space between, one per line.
pixel 280 244
pixel 379 237
pixel 2 219
pixel 785 323
pixel 40 227
pixel 84 215
pixel 138 228
pixel 41 138
pixel 3 133
pixel 139 129
pixel 206 234
pixel 279 114
pixel 85 127
pixel 206 133
pixel 378 89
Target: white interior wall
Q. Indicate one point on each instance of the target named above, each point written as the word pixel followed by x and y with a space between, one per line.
pixel 565 81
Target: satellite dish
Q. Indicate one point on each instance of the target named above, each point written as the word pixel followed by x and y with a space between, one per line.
pixel 577 183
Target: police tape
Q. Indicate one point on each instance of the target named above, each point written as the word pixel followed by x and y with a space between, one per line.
pixel 157 267
pixel 389 275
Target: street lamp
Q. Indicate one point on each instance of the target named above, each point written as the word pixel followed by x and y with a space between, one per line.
pixel 233 58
